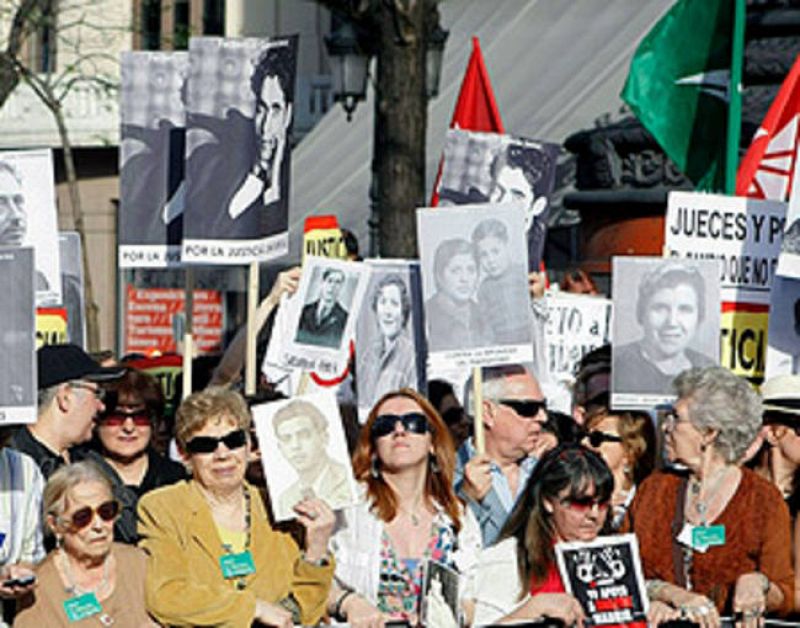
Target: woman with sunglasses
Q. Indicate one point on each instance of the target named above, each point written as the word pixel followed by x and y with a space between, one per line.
pixel 566 499
pixel 716 540
pixel 409 514
pixel 213 557
pixel 123 450
pixel 627 443
pixel 88 579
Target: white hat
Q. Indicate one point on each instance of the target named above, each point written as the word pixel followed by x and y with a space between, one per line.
pixel 781 394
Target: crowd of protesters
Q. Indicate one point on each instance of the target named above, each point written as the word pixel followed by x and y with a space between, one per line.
pixel 100 524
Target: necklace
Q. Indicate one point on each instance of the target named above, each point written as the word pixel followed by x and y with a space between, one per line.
pixel 241 583
pixel 74 590
pixel 701 506
pixel 412 515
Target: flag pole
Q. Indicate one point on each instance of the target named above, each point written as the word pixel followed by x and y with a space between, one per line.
pixel 735 103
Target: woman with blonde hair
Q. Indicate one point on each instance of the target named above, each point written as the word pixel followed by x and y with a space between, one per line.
pixel 408 514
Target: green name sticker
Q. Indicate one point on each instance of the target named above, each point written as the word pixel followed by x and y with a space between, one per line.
pixel 81 607
pixel 237 565
pixel 704 537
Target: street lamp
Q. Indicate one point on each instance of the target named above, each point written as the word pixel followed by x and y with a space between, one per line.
pixel 349 63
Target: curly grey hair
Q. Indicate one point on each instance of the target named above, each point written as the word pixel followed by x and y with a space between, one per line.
pixel 719 400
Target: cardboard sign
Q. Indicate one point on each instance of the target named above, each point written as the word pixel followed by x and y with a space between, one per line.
pixel 743 342
pixel 323 238
pixel 51 326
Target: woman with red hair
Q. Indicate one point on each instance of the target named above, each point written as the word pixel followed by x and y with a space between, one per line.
pixel 409 514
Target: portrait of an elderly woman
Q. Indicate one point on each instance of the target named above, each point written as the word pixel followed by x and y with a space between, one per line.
pixel 213 557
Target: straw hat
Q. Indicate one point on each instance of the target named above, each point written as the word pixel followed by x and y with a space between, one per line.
pixel 781 396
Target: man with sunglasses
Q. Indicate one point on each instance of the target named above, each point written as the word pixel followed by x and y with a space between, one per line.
pixel 70 398
pixel 514 411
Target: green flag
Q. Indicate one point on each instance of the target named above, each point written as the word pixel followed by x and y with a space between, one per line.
pixel 678 86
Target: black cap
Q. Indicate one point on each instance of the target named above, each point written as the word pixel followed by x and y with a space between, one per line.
pixel 57 364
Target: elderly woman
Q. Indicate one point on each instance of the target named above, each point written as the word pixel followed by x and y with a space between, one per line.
pixel 409 515
pixel 669 309
pixel 716 541
pixel 390 362
pixel 88 577
pixel 213 558
pixel 123 450
pixel 627 443
pixel 453 318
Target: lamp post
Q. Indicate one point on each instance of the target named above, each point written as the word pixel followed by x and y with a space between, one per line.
pixel 408 44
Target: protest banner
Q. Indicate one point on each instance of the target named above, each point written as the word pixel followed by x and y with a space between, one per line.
pixel 69 253
pixel 744 339
pixel 51 326
pixel 155 320
pixel 17 340
pixel 783 351
pixel 322 237
pixel 27 180
pixel 321 316
pixel 605 576
pixel 675 303
pixel 151 158
pixel 475 285
pixel 489 167
pixel 390 336
pixel 575 325
pixel 304 452
pixel 239 119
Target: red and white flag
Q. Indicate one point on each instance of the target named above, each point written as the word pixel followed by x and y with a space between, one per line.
pixel 476 108
pixel 767 169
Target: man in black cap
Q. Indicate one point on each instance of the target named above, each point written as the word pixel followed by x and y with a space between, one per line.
pixel 69 399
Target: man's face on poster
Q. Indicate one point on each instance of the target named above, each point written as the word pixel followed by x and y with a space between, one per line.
pixel 301 442
pixel 511 185
pixel 13 220
pixel 272 118
pixel 331 287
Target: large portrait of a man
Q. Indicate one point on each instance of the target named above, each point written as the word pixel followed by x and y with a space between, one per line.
pixel 323 320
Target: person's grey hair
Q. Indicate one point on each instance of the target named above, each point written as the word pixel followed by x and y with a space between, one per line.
pixel 494 380
pixel 45 397
pixel 720 400
pixel 54 497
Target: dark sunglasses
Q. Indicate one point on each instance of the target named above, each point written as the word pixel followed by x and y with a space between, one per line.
pixel 584 504
pixel 597 438
pixel 527 408
pixel 413 422
pixel 117 419
pixel 209 444
pixel 82 517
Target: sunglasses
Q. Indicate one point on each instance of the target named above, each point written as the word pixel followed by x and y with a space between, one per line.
pixel 117 419
pixel 597 438
pixel 209 444
pixel 82 517
pixel 527 408
pixel 413 422
pixel 584 504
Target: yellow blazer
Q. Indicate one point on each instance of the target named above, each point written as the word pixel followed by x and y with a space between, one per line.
pixel 184 584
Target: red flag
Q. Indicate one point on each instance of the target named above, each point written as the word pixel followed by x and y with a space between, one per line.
pixel 766 170
pixel 476 108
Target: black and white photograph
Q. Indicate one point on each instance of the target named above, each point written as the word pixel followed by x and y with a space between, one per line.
pixel 28 215
pixel 495 168
pixel 783 336
pixel 152 156
pixel 666 320
pixel 440 596
pixel 18 336
pixel 239 122
pixel 304 452
pixel 605 576
pixel 323 315
pixel 390 336
pixel 69 251
pixel 475 285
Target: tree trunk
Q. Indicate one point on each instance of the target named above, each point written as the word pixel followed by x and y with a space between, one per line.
pixel 400 126
pixel 91 313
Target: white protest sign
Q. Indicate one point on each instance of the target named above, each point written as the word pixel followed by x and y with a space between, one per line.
pixel 744 233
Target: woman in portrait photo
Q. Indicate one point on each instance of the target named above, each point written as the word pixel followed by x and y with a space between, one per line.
pixel 389 363
pixel 453 317
pixel 669 308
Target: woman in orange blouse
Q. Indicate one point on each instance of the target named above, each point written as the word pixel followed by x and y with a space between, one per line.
pixel 716 540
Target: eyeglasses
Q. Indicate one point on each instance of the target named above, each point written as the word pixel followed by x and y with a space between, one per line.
pixel 99 393
pixel 413 422
pixel 584 504
pixel 209 444
pixel 118 418
pixel 82 517
pixel 527 408
pixel 597 438
pixel 671 419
